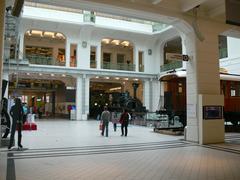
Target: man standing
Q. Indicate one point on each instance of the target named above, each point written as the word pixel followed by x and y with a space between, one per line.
pixel 124 122
pixel 17 120
pixel 105 117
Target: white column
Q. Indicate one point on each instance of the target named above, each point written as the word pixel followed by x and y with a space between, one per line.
pixel 21 46
pixel 155 95
pixel 99 55
pixel 87 89
pixel 146 94
pixel 67 53
pixel 79 54
pixel 2 15
pixel 136 58
pixel 79 97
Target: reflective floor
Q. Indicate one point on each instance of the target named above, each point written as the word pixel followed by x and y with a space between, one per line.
pixel 73 150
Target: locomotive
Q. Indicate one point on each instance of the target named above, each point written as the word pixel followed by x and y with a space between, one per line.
pixel 175 95
pixel 115 101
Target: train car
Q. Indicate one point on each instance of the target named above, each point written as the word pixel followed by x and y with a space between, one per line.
pixel 175 95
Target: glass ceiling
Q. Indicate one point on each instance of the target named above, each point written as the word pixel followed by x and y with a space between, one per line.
pixel 156 26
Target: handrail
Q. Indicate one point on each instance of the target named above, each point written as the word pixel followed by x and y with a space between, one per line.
pixel 43 60
pixel 118 66
pixel 171 66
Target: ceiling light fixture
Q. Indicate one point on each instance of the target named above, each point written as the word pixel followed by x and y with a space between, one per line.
pixel 125 43
pixel 106 41
pixel 116 42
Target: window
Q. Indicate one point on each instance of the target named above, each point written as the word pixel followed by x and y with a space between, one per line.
pixel 233 92
pixel 180 88
pixel 233 89
pixel 120 58
pixel 93 54
pixel 222 43
pixel 106 57
pixel 61 55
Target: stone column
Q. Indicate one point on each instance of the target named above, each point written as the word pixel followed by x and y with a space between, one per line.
pixel 203 86
pixel 79 98
pixel 67 53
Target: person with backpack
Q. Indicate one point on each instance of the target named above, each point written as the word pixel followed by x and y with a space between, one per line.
pixel 124 120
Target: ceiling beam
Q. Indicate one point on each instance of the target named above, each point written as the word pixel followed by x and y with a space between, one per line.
pixel 187 5
pixel 156 1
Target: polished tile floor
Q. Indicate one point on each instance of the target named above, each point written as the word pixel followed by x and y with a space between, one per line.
pixel 75 150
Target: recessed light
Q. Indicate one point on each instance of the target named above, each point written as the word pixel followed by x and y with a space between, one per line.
pixel 40 74
pixel 117 78
pixel 52 75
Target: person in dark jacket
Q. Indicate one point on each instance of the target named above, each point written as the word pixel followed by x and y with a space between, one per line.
pixel 17 120
pixel 124 122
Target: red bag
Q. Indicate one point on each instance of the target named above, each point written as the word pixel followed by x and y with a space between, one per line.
pixel 100 126
pixel 33 126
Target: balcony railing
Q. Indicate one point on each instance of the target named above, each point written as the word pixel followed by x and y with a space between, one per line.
pixel 171 66
pixel 93 64
pixel 118 66
pixel 43 60
pixel 141 68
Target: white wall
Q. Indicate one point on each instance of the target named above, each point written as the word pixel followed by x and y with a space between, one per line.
pixel 76 34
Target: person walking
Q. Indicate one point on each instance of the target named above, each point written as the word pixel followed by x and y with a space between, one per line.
pixel 17 120
pixel 105 117
pixel 114 120
pixel 124 120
